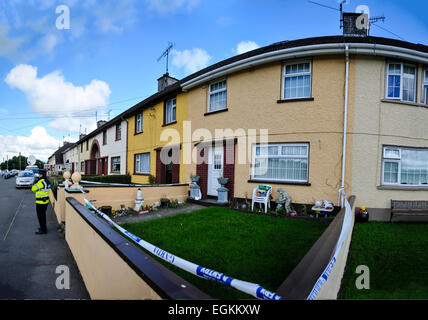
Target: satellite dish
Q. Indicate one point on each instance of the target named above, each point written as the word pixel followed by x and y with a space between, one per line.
pixel 31 160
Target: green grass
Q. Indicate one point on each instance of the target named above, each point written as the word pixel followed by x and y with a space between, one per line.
pixel 396 254
pixel 248 247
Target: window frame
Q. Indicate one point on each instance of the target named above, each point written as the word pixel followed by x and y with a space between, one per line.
pixel 398 160
pixel 135 163
pixel 280 145
pixel 214 92
pixel 284 76
pixel 104 137
pixel 387 74
pixel 166 122
pixel 136 123
pixel 118 131
pixel 424 86
pixel 112 163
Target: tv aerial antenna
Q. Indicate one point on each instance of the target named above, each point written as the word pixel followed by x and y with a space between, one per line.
pixel 166 54
pixel 372 20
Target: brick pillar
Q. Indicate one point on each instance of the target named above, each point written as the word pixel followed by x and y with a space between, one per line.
pixel 202 172
pixel 229 169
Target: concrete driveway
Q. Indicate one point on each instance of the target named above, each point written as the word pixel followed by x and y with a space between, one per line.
pixel 28 262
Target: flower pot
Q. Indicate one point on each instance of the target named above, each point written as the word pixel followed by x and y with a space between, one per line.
pixel 222 180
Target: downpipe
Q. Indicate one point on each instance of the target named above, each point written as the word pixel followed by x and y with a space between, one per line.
pixel 342 194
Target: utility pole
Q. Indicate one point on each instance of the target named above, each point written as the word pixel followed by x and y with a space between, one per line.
pixel 19 161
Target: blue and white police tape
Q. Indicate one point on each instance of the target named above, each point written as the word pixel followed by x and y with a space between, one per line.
pixel 244 286
pixel 346 226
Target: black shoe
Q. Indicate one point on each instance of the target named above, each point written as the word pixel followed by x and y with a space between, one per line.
pixel 41 232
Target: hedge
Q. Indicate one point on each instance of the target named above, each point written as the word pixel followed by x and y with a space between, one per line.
pixel 125 179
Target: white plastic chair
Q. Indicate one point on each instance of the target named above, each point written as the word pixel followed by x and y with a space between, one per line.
pixel 261 199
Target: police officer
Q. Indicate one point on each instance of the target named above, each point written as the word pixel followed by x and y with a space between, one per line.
pixel 41 189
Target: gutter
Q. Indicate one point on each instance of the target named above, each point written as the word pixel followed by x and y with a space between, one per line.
pixel 307 51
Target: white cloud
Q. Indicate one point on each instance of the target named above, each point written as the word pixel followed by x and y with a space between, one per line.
pixel 191 60
pixel 245 46
pixel 52 94
pixel 170 6
pixel 39 143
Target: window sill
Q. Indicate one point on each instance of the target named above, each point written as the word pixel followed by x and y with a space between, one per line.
pixel 403 187
pixel 137 133
pixel 169 124
pixel 405 103
pixel 141 174
pixel 214 112
pixel 280 182
pixel 295 100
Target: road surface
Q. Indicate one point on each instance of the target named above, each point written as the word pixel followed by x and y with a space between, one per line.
pixel 28 262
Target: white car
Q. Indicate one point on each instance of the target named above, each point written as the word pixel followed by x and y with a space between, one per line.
pixel 25 179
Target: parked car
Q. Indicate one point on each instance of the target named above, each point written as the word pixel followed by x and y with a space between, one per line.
pixel 25 179
pixel 35 170
pixel 14 172
pixel 6 174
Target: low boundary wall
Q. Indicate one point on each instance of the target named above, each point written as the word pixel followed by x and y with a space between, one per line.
pixel 114 195
pixel 303 278
pixel 114 268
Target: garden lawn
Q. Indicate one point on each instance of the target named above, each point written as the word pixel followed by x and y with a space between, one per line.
pixel 249 247
pixel 396 254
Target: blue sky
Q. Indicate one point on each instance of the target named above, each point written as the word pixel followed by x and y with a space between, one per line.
pixel 53 81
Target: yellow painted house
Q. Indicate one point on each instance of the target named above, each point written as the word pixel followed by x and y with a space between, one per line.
pixel 162 112
pixel 318 117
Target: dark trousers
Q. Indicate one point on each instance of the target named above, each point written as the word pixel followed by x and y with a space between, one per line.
pixel 41 215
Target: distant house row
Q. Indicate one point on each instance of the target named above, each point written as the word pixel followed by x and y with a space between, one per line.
pixel 299 91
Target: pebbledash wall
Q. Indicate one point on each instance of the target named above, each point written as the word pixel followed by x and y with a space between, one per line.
pixel 149 140
pixel 379 122
pixel 253 102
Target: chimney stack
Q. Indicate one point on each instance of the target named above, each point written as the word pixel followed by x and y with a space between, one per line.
pixel 100 123
pixel 165 81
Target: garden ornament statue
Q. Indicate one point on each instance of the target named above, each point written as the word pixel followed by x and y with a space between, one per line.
pixel 139 202
pixel 222 191
pixel 195 190
pixel 284 200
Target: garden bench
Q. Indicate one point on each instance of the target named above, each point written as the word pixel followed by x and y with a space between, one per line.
pixel 408 208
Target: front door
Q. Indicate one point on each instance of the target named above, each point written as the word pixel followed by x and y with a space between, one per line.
pixel 215 169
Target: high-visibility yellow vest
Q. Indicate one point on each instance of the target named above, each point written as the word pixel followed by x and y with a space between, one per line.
pixel 41 189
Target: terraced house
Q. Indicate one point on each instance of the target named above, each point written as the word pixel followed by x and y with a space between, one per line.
pixel 103 151
pixel 299 91
pixel 148 122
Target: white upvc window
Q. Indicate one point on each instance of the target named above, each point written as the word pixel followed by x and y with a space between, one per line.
pixel 217 96
pixel 171 111
pixel 142 163
pixel 425 87
pixel 297 80
pixel 401 81
pixel 139 123
pixel 282 162
pixel 405 166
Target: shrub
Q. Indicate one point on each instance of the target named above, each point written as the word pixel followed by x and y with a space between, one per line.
pixel 125 178
pixel 152 179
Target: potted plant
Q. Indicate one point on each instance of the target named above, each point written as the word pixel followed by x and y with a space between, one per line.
pixel 222 181
pixel 165 202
